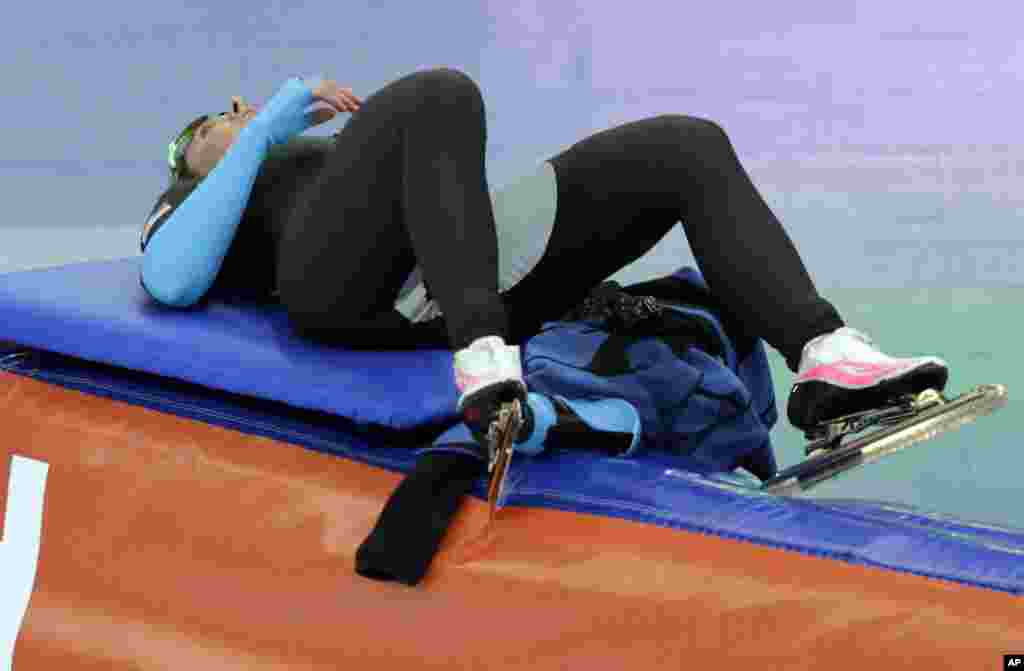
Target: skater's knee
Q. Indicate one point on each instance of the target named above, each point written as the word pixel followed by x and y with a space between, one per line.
pixel 693 129
pixel 448 86
pixel 450 77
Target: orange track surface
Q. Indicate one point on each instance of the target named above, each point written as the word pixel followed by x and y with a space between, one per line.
pixel 171 544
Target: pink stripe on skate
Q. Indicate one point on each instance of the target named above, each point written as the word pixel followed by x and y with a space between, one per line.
pixel 464 381
pixel 851 373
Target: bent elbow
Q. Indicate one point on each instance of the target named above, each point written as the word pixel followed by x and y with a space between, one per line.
pixel 167 295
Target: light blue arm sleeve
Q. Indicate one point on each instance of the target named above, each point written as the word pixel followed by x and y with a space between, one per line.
pixel 184 255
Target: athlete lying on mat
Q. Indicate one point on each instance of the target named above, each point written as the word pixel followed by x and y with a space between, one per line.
pixel 350 231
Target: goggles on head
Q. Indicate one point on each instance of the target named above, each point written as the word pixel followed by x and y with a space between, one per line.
pixel 176 149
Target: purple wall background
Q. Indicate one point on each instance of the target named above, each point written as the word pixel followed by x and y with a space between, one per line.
pixel 885 135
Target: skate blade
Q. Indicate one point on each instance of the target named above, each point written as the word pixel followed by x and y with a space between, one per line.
pixel 951 415
pixel 501 438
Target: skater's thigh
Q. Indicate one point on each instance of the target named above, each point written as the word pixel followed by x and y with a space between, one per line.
pixel 650 164
pixel 619 192
pixel 590 241
pixel 344 251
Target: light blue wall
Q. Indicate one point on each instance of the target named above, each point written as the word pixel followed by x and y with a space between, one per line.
pixel 884 134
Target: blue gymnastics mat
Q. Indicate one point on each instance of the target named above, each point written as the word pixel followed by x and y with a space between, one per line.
pixel 92 327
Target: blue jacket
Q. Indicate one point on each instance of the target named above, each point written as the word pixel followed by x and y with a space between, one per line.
pixel 698 398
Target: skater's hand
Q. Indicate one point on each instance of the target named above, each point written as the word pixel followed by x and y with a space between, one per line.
pixel 339 99
pixel 288 112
